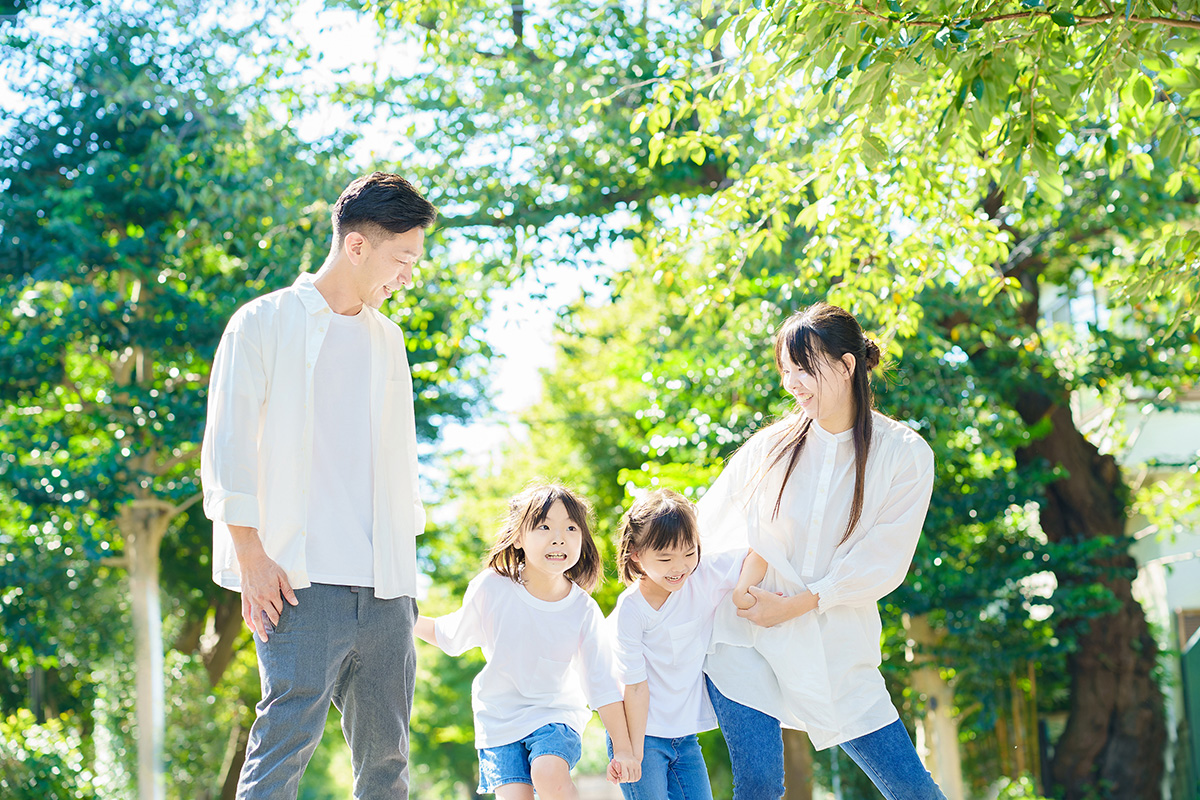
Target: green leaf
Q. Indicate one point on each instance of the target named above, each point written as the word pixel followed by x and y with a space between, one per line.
pixel 977 87
pixel 1063 19
pixel 1143 92
pixel 873 149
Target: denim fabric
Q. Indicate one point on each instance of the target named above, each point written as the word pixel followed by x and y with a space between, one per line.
pixel 342 645
pixel 672 769
pixel 755 742
pixel 510 763
pixel 891 762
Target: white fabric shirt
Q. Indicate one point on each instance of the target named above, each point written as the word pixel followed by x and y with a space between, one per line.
pixel 256 459
pixel 818 672
pixel 665 647
pixel 546 661
pixel 339 516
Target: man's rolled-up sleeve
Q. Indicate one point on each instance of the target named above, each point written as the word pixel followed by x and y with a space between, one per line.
pixel 229 453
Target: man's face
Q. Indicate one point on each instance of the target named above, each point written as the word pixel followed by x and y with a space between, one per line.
pixel 386 265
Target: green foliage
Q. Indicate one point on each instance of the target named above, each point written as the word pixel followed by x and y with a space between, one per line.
pixel 43 760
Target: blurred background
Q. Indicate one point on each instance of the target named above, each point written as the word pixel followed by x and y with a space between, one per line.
pixel 634 194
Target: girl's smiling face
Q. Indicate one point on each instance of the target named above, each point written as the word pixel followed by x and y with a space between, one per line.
pixel 668 570
pixel 553 545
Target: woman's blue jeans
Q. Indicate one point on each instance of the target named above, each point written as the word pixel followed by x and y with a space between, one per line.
pixel 755 743
pixel 672 769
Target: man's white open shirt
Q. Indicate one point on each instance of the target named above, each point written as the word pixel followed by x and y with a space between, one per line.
pixel 256 460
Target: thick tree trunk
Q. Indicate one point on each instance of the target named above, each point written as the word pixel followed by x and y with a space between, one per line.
pixel 143 525
pixel 797 765
pixel 1116 730
pixel 937 730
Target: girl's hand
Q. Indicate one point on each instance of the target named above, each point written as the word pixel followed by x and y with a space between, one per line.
pixel 743 599
pixel 624 768
pixel 771 609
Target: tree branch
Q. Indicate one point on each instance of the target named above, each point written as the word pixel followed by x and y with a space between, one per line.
pixel 860 11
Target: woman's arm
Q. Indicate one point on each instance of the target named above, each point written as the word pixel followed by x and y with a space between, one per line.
pixel 873 566
pixel 771 609
pixel 754 569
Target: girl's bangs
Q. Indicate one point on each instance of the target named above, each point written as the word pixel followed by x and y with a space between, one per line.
pixel 671 531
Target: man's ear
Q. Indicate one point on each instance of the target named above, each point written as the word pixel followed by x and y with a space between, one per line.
pixel 355 246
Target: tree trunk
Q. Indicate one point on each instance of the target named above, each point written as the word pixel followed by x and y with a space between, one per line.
pixel 937 730
pixel 143 526
pixel 1116 730
pixel 797 765
pixel 235 755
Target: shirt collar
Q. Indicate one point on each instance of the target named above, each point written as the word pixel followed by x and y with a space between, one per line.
pixel 310 295
pixel 826 436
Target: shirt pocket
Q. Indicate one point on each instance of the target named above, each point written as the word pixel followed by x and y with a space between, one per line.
pixel 686 643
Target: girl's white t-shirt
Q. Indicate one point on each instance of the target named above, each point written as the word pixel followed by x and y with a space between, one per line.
pixel 666 647
pixel 546 661
pixel 818 672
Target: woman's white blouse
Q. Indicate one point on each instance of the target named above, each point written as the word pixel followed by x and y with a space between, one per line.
pixel 546 661
pixel 818 672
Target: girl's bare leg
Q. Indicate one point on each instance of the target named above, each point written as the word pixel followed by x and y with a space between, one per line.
pixel 552 779
pixel 514 791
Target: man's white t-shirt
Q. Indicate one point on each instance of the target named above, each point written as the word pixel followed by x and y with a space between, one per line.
pixel 546 661
pixel 340 497
pixel 666 647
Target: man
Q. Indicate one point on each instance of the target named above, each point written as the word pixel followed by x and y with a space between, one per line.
pixel 310 478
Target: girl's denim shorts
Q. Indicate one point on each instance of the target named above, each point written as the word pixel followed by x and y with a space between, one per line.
pixel 509 763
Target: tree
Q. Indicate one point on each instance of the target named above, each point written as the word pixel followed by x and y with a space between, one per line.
pixel 149 192
pixel 814 122
pixel 1065 162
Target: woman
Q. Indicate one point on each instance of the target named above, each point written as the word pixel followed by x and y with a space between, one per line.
pixel 833 497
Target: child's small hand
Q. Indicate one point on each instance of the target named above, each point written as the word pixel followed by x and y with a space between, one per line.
pixel 624 768
pixel 743 599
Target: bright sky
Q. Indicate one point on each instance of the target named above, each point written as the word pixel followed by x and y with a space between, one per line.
pixel 519 328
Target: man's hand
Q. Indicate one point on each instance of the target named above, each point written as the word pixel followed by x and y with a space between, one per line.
pixel 264 583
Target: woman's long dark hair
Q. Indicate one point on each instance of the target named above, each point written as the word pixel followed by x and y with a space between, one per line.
pixel 823 329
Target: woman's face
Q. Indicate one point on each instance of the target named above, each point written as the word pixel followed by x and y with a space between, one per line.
pixel 827 396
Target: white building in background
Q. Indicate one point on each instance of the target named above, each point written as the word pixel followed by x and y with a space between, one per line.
pixel 1164 445
pixel 1155 444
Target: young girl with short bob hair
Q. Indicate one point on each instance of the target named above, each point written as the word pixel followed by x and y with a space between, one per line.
pixel 548 655
pixel 833 497
pixel 661 625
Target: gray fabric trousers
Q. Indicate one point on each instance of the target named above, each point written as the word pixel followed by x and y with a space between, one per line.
pixel 339 645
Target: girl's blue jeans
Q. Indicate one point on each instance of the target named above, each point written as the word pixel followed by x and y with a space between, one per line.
pixel 755 743
pixel 672 769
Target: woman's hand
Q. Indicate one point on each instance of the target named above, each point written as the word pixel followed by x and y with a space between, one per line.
pixel 771 609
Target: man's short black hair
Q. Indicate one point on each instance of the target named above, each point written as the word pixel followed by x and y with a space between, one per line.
pixel 381 202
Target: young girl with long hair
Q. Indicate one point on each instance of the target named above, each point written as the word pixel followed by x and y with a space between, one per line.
pixel 833 497
pixel 548 655
pixel 662 624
